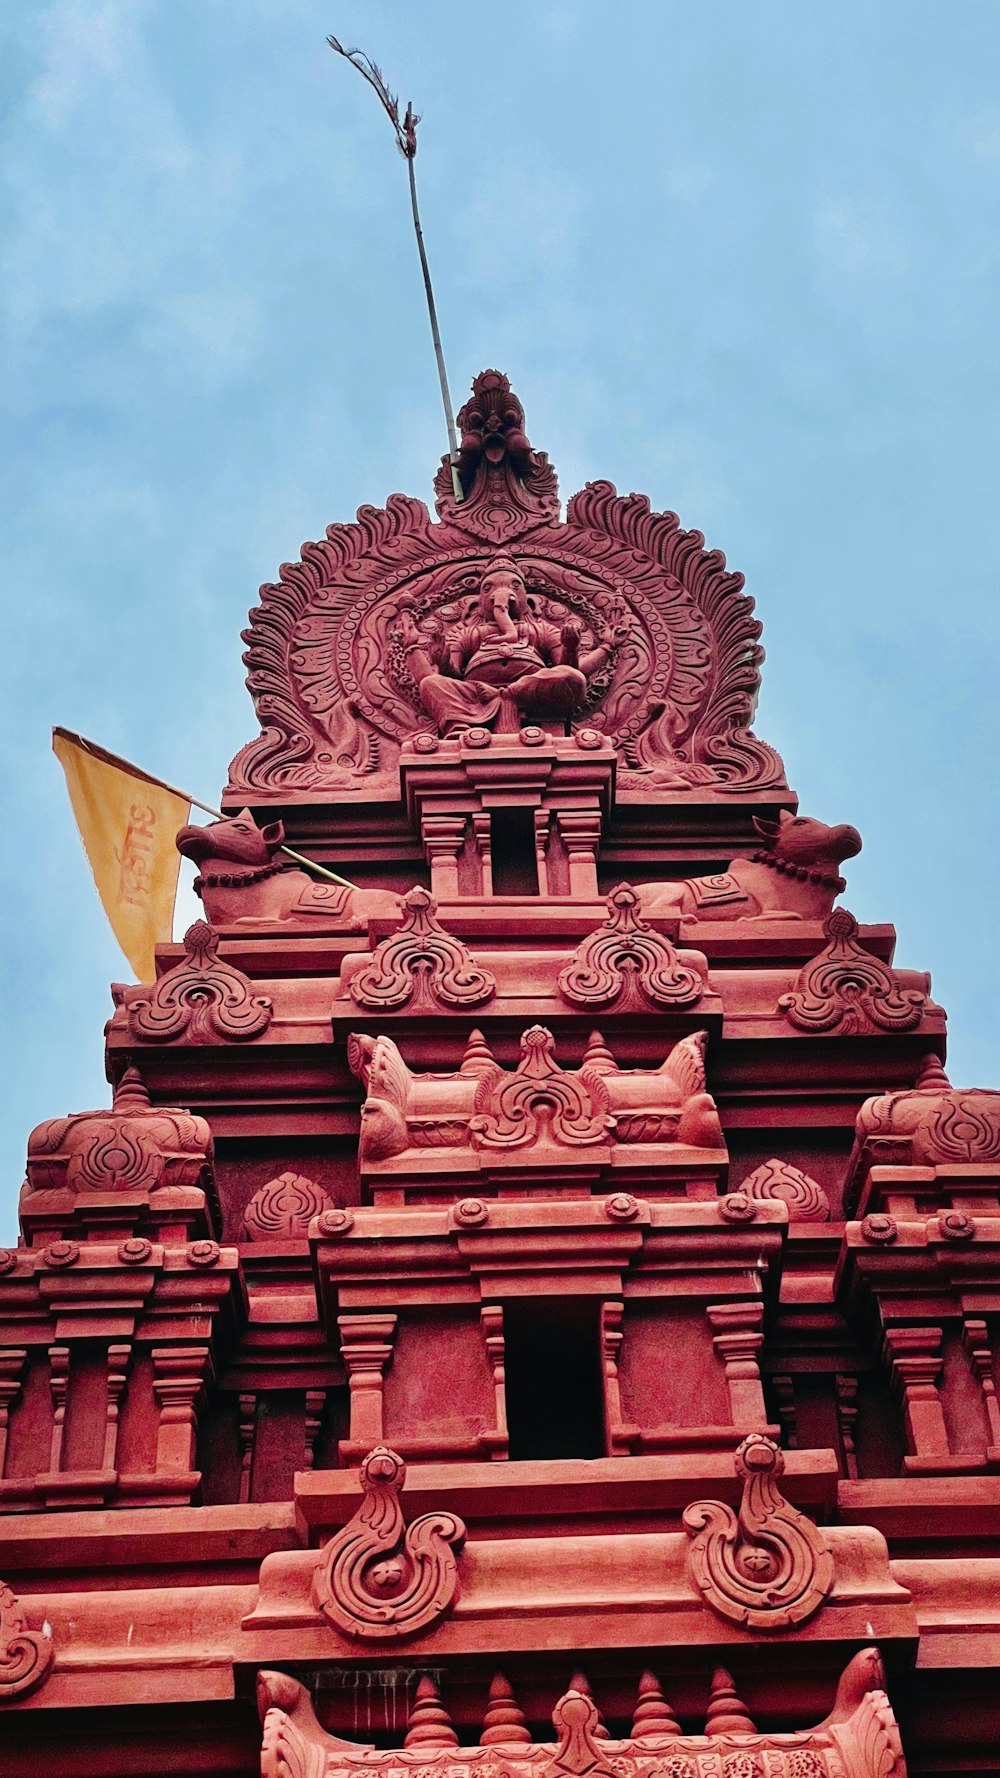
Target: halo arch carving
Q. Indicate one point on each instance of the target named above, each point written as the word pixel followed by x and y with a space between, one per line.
pixel 663 630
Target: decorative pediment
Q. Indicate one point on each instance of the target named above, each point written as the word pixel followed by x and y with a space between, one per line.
pixel 614 618
pixel 625 964
pixel 489 1111
pixel 858 1736
pixel 420 966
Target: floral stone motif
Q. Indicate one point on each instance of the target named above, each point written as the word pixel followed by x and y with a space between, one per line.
pixel 422 965
pixel 847 990
pixel 200 1000
pixel 777 1180
pixel 283 1207
pixel 626 964
pixel 25 1655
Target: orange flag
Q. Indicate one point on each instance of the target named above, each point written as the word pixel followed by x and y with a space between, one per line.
pixel 127 823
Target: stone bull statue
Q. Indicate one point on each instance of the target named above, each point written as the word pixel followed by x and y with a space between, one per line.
pixel 240 880
pixel 793 876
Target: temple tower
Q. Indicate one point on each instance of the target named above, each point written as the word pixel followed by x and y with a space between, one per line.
pixel 533 1311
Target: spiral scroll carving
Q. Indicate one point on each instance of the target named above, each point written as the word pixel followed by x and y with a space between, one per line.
pixel 380 1578
pixel 767 1567
pixel 25 1655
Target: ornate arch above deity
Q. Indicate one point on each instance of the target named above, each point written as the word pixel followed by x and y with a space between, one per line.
pixel 502 615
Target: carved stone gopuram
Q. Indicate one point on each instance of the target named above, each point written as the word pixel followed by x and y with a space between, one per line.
pixel 529 1306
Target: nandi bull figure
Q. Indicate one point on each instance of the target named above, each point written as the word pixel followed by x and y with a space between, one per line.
pixel 240 880
pixel 793 876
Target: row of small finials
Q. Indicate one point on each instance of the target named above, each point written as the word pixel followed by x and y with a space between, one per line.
pixel 429 1725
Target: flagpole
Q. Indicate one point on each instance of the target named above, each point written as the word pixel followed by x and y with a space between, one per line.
pixel 125 765
pixel 406 142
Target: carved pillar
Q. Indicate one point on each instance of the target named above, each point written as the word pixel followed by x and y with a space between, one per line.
pixel 11 1366
pixel 847 1414
pixel 977 1344
pixel 619 1438
pixel 491 1321
pixel 248 1438
pixel 914 1355
pixel 737 1338
pixel 59 1390
pixel 118 1363
pixel 581 834
pixel 179 1377
pixel 366 1348
pixel 541 851
pixel 315 1403
pixel 443 837
pixel 482 832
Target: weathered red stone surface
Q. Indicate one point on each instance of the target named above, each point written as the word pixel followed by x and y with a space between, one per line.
pixel 534 1313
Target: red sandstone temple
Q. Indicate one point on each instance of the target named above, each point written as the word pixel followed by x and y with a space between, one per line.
pixel 533 1314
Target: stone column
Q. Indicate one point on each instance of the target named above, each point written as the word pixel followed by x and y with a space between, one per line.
pixel 914 1357
pixel 444 838
pixel 491 1321
pixel 366 1348
pixel 119 1358
pixel 12 1363
pixel 619 1437
pixel 738 1338
pixel 975 1335
pixel 180 1374
pixel 581 833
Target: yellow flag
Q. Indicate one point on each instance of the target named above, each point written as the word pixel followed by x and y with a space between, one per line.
pixel 127 823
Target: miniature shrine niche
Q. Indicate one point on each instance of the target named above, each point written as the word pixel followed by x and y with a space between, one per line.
pixel 532 1305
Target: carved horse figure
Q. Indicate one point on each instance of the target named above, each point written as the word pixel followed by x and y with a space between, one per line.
pixel 240 880
pixel 793 876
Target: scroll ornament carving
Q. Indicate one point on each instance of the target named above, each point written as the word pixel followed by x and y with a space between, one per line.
pixel 625 964
pixel 380 1578
pixel 777 1180
pixel 768 1567
pixel 420 965
pixel 847 990
pixel 25 1655
pixel 130 1148
pixel 616 617
pixel 201 1000
pixel 284 1207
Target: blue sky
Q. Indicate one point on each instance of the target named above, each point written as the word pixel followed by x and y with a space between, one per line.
pixel 743 258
